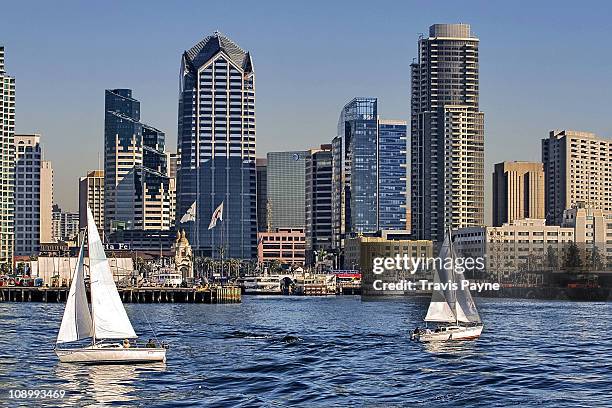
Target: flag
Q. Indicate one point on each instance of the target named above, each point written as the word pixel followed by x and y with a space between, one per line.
pixel 216 216
pixel 190 215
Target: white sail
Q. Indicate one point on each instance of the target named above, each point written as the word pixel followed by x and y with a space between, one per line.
pixel 76 323
pixel 109 316
pixel 439 307
pixel 449 306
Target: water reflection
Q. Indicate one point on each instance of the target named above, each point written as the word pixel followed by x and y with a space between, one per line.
pixel 91 385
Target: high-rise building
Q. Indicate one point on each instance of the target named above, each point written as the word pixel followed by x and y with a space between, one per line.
pixel 354 172
pixel 518 192
pixel 286 189
pixel 136 182
pixel 7 160
pixel 392 175
pixel 91 193
pixel 577 168
pixel 27 211
pixel 46 201
pixel 447 133
pixel 318 199
pixel 216 145
pixel 261 166
pixel 65 225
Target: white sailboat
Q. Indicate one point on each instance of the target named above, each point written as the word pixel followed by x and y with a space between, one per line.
pixel 452 310
pixel 107 319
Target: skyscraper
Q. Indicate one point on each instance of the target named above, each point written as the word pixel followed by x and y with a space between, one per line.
pixel 518 192
pixel 261 166
pixel 29 214
pixel 392 175
pixel 136 182
pixel 354 173
pixel 286 188
pixel 91 193
pixel 318 209
pixel 7 160
pixel 447 133
pixel 578 170
pixel 46 201
pixel 216 145
pixel 65 225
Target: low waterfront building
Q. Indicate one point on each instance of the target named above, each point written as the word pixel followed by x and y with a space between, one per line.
pixel 522 245
pixel 285 245
pixel 58 270
pixel 153 242
pixel 361 251
pixel 592 229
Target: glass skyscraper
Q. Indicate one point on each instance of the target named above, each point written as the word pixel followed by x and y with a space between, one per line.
pixel 286 189
pixel 392 183
pixel 447 133
pixel 137 187
pixel 262 194
pixel 354 173
pixel 216 145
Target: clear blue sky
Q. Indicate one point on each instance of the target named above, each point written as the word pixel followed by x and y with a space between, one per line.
pixel 544 65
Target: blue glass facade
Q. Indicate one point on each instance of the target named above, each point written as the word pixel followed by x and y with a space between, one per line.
pixel 355 180
pixel 392 187
pixel 216 146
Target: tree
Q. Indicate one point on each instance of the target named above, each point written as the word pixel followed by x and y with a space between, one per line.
pixel 595 259
pixel 552 257
pixel 572 256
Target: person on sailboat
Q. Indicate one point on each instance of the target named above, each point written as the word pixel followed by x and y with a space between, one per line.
pixel 126 343
pixel 150 344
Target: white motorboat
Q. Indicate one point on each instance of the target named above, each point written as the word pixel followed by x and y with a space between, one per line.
pixel 452 308
pixel 107 320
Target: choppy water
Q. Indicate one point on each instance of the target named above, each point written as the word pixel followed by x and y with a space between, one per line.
pixel 288 351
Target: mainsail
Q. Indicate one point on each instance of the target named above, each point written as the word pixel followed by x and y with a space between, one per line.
pixel 447 305
pixel 76 323
pixel 109 317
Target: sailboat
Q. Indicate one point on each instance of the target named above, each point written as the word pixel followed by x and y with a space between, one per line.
pixel 106 321
pixel 452 309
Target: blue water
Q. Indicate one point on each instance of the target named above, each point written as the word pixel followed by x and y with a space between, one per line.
pixel 333 351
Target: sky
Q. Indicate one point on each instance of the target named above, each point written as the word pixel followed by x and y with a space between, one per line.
pixel 543 65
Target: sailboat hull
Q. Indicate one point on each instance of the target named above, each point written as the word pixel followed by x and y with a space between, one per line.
pixel 449 333
pixel 111 355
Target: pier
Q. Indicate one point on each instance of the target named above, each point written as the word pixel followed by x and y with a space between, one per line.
pixel 211 295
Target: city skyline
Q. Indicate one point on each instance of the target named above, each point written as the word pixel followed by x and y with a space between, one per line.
pixel 514 127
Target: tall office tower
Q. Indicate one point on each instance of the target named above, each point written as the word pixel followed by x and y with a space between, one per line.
pixel 46 201
pixel 91 193
pixel 392 175
pixel 578 170
pixel 136 182
pixel 286 189
pixel 216 145
pixel 65 225
pixel 261 166
pixel 447 127
pixel 28 157
pixel 518 192
pixel 354 172
pixel 172 166
pixel 122 153
pixel 154 190
pixel 318 180
pixel 7 162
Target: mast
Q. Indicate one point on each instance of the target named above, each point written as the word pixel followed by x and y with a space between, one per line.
pixel 93 318
pixel 452 254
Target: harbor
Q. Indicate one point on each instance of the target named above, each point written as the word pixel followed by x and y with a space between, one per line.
pixel 210 295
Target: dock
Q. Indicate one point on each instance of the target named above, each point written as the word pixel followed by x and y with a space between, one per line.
pixel 210 295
